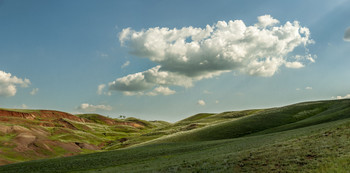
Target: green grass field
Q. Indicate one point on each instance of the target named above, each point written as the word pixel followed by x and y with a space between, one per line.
pixel 304 137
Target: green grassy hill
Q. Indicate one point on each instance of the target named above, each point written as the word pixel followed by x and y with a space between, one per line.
pixel 267 121
pixel 304 137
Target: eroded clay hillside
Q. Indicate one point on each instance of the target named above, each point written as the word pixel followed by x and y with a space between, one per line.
pixel 33 134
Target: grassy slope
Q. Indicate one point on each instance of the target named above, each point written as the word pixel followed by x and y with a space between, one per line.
pixel 291 151
pixel 268 121
pixel 188 124
pixel 96 132
pixel 294 138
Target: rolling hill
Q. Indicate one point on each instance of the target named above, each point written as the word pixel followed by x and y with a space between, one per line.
pixel 34 134
pixel 303 137
pixel 266 121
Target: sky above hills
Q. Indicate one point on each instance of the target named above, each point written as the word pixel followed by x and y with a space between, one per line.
pixel 166 60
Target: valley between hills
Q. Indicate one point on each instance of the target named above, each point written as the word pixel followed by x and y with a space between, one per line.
pixel 304 137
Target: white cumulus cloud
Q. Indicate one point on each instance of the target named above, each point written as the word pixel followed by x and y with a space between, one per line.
pixel 89 107
pixel 161 90
pixel 190 54
pixel 148 79
pixel 9 83
pixel 201 102
pixel 266 20
pixel 347 34
pixel 308 88
pixel 294 65
pixel 343 97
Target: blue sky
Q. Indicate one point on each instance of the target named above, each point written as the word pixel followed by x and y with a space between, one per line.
pixel 59 52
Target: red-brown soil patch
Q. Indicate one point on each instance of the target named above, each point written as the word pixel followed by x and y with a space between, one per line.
pixel 41 114
pixel 65 123
pixel 87 146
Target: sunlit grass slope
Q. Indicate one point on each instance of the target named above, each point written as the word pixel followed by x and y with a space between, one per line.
pixel 268 121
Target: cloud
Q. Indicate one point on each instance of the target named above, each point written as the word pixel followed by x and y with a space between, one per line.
pixel 100 90
pixel 342 97
pixel 311 58
pixel 34 91
pixel 133 84
pixel 201 102
pixel 9 83
pixel 347 35
pixel 88 107
pixel 156 91
pixel 104 55
pixel 294 65
pixel 24 106
pixel 306 88
pixel 161 90
pixel 266 20
pixel 191 54
pixel 127 63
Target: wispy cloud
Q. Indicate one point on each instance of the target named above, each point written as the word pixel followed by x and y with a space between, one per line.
pixel 34 91
pixel 347 34
pixel 101 90
pixel 89 107
pixel 156 91
pixel 104 55
pixel 306 88
pixel 191 54
pixel 207 92
pixel 127 63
